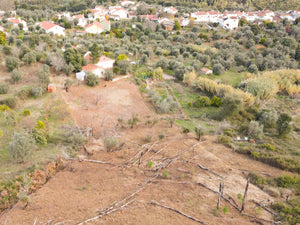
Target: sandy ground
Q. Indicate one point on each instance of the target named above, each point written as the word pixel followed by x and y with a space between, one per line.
pixel 77 193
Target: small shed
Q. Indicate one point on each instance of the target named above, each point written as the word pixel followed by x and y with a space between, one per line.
pixel 80 75
pixel 51 88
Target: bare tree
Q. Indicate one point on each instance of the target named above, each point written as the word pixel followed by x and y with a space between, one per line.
pixel 57 61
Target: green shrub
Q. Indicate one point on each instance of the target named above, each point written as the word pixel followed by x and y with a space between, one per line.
pixel 185 130
pixel 36 92
pixel 268 117
pixel 225 210
pixel 166 174
pixel 161 136
pixel 255 154
pixel 283 124
pixel 4 88
pixel 257 180
pixel 40 136
pixel 150 164
pixel 108 75
pixel 91 79
pixel 12 63
pixel 26 112
pixel 11 102
pixel 24 93
pixel 202 101
pixel 288 181
pixel 255 130
pixel 110 143
pixel 223 140
pixel 268 146
pixel 216 101
pixel 228 132
pixel 16 76
pixel 21 146
pixel 288 212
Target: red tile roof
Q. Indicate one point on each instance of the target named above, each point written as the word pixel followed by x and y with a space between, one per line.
pixel 79 16
pixel 89 67
pixel 47 25
pixel 103 58
pixel 95 23
pixel 13 20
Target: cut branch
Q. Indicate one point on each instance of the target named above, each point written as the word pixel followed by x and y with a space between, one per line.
pixel 245 195
pixel 208 170
pixel 90 160
pixel 179 212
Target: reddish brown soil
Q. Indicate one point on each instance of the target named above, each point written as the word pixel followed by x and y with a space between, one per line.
pixel 76 193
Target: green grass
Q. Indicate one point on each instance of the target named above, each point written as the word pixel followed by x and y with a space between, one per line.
pixel 228 77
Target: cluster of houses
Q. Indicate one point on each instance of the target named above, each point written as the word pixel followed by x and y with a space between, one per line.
pixel 97 20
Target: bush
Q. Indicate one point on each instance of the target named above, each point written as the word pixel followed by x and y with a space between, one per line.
pixel 36 92
pixel 26 112
pixel 268 147
pixel 29 58
pixel 24 93
pixel 268 117
pixel 255 130
pixel 110 143
pixel 91 79
pixel 4 88
pixel 16 76
pixel 108 75
pixel 202 101
pixel 40 136
pixel 11 102
pixel 216 101
pixel 12 63
pixel 21 146
pixel 218 69
pixel 283 124
pixel 288 181
pixel 199 130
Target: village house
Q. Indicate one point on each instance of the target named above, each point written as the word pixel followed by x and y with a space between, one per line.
pixel 250 16
pixel 52 28
pixel 149 17
pixel 184 22
pixel 126 3
pixel 18 21
pixel 95 28
pixel 118 12
pixel 265 15
pixel 97 70
pixel 105 62
pixel 170 10
pixel 63 14
pixel 81 20
pixel 230 23
pixel 214 16
pixel 200 16
pixel 167 25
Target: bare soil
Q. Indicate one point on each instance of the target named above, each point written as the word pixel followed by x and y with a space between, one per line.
pixel 77 193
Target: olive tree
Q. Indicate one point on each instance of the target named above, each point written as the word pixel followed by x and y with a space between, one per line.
pixel 21 146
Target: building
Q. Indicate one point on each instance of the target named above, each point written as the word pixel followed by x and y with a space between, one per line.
pixel 18 21
pixel 95 69
pixel 81 20
pixel 200 16
pixel 265 15
pixel 118 12
pixel 105 62
pixel 170 10
pixel 230 23
pixel 95 28
pixel 167 25
pixel 149 17
pixel 126 3
pixel 52 28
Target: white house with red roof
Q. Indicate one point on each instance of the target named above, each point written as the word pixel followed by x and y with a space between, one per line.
pixel 230 23
pixel 118 12
pixel 97 70
pixel 95 28
pixel 82 21
pixel 53 28
pixel 200 16
pixel 18 21
pixel 265 15
pixel 149 17
pixel 105 62
pixel 214 16
pixel 126 3
pixel 170 10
